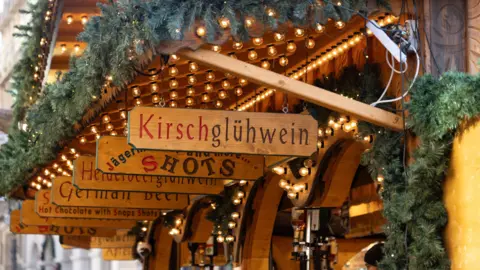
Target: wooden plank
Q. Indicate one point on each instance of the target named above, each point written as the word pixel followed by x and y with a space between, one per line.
pixel 124 241
pixel 86 177
pixel 116 156
pixel 222 131
pixel 30 217
pixel 160 259
pixel 117 254
pixel 76 241
pixel 45 208
pixel 65 194
pixel 17 227
pixel 305 91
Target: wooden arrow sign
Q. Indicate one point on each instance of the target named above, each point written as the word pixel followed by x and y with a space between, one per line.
pixel 44 208
pixel 86 177
pixel 19 228
pixel 65 194
pixel 115 155
pixel 117 254
pixel 222 131
pixel 30 217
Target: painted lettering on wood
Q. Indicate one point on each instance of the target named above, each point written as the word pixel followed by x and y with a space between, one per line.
pixel 30 217
pixel 45 208
pixel 86 177
pixel 65 194
pixel 115 155
pixel 17 227
pixel 117 254
pixel 123 241
pixel 222 131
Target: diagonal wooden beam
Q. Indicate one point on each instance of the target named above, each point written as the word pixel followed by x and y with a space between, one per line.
pixel 303 90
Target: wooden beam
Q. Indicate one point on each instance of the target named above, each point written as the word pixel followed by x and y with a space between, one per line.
pixel 303 90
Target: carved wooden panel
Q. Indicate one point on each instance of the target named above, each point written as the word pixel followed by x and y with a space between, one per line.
pixel 473 36
pixel 447 35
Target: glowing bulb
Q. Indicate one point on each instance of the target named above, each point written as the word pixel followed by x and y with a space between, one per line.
pixel 210 76
pixel 272 51
pixel 252 55
pixel 190 91
pixel 136 92
pixel 283 61
pixel 178 221
pixel 369 32
pixel 238 91
pixel 235 215
pixel 270 12
pixel 77 48
pixel 299 32
pixel 226 84
pixel 173 71
pixel 242 81
pixel 174 58
pixel 237 45
pixel 218 104
pixel 63 48
pixel 174 231
pixel 249 22
pixel 69 19
pixel 232 224
pixel 291 46
pixel 224 23
pixel 340 24
pixel 222 94
pixel 191 79
pixel 84 20
pixel 123 114
pixel 265 64
pixel 310 43
pixel 173 95
pixel 292 195
pixel 216 48
pixel 278 36
pixel 173 104
pixel 229 238
pixel 240 194
pixel 113 133
pixel 109 127
pixel 83 140
pixel 173 84
pixel 201 31
pixel 304 171
pixel 205 98
pixel 189 101
pixel 237 201
pixel 208 87
pixel 283 183
pixel 193 67
pixel 380 178
pixel 138 101
pixel 154 87
pixel 220 239
pixel 320 28
pixel 257 41
pixel 242 182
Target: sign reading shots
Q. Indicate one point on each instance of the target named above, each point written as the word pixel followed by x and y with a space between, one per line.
pixel 65 194
pixel 117 254
pixel 45 208
pixel 222 131
pixel 30 217
pixel 17 227
pixel 86 177
pixel 115 155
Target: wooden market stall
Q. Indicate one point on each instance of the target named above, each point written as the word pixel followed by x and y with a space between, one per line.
pixel 145 113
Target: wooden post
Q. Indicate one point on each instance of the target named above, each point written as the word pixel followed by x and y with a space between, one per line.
pixel 303 90
pixel 160 259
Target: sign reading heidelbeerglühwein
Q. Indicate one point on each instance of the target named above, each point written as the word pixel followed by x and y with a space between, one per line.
pixel 45 208
pixel 65 194
pixel 30 217
pixel 222 131
pixel 86 177
pixel 117 254
pixel 17 227
pixel 115 155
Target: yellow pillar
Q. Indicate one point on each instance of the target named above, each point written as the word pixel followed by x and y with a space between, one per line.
pixel 462 200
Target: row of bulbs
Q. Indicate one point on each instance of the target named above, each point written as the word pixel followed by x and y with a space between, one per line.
pixel 294 189
pixel 64 48
pixel 56 170
pixel 232 224
pixel 176 230
pixel 48 13
pixel 70 19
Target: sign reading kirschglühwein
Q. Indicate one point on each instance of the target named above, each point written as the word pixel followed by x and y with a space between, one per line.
pixel 115 155
pixel 124 241
pixel 30 217
pixel 222 131
pixel 18 227
pixel 86 177
pixel 45 208
pixel 117 254
pixel 65 194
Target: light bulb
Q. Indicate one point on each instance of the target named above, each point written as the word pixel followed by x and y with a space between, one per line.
pixel 193 67
pixel 222 94
pixel 109 127
pixel 224 23
pixel 84 20
pixel 232 225
pixel 220 239
pixel 299 187
pixel 368 139
pixel 113 133
pixel 242 182
pixel 270 12
pixel 310 43
pixel 83 140
pixel 237 201
pixel 272 51
pixel 173 84
pixel 77 48
pixel 173 71
pixel 303 171
pixel 278 36
pixel 283 183
pixel 191 79
pixel 299 32
pixel 208 87
pixel 155 99
pixel 174 58
pixel 279 170
pixel 237 45
pixel 340 24
pixel 178 221
pixel 242 82
pixel 257 41
pixel 216 48
pixel 63 48
pixel 265 64
pixel 249 22
pixel 174 231
pixel 292 195
pixel 238 91
pixel 106 119
pixel 283 61
pixel 240 194
pixel 319 28
pixel 380 178
pixel 252 55
pixel 93 129
pixel 154 87
pixel 226 84
pixel 173 104
pixel 229 238
pixel 173 95
pixel 205 98
pixel 210 76
pixel 69 19
pixel 123 114
pixel 190 91
pixel 235 215
pixel 136 92
pixel 218 104
pixel 138 101
pixel 201 31
pixel 291 47
pixel 190 101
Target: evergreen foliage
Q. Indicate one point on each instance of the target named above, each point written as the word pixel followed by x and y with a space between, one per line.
pixel 127 29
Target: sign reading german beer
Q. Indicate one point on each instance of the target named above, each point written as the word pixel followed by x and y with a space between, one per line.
pixel 117 254
pixel 115 155
pixel 45 208
pixel 222 131
pixel 65 194
pixel 30 217
pixel 86 177
pixel 17 227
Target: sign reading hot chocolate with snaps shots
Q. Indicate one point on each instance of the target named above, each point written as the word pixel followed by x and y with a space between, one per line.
pixel 222 131
pixel 17 227
pixel 65 194
pixel 45 208
pixel 115 155
pixel 86 177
